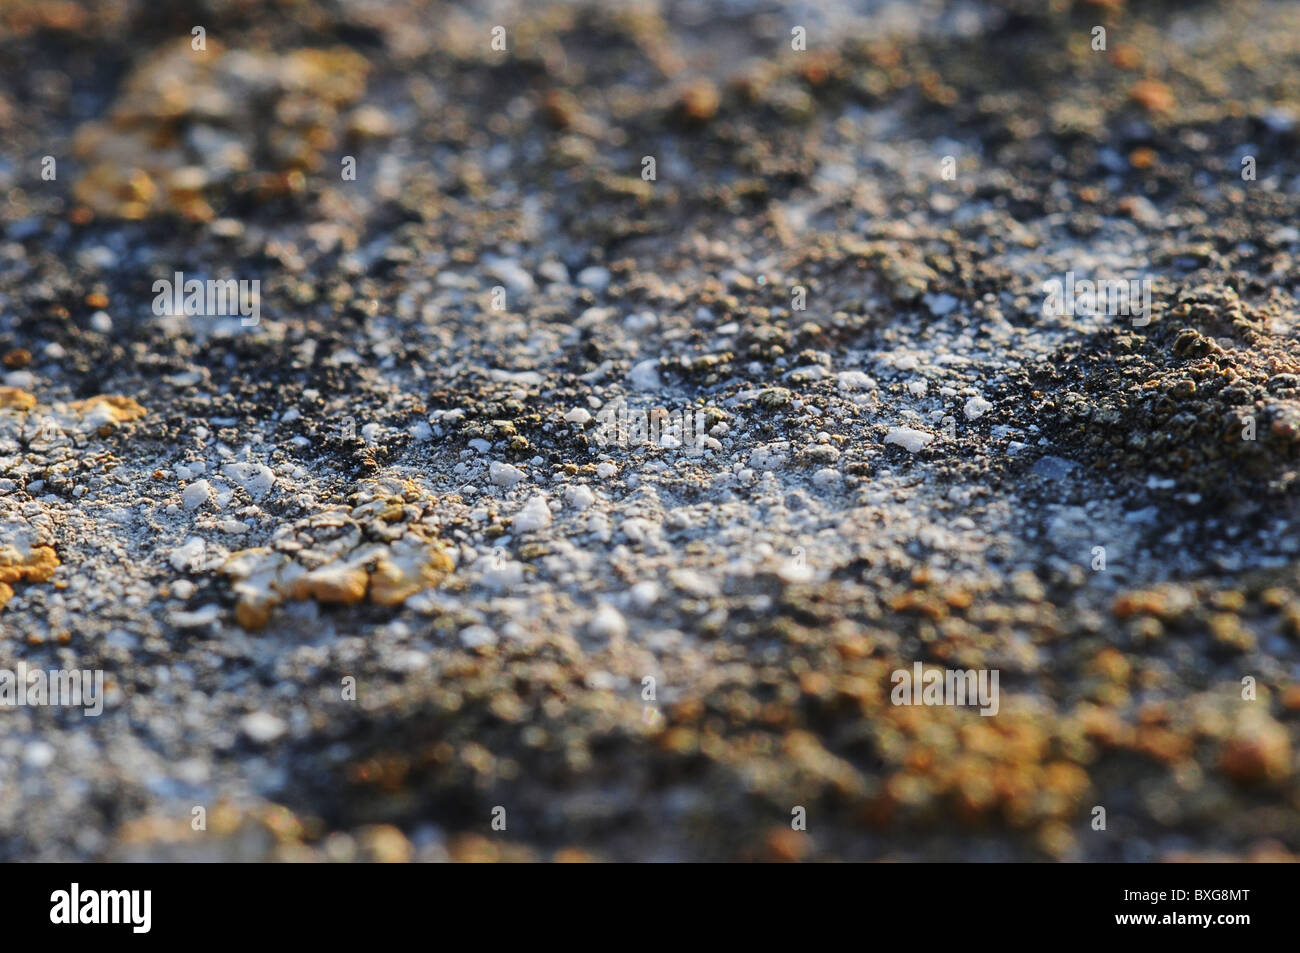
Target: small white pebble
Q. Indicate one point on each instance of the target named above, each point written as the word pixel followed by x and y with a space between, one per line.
pixel 534 516
pixel 909 439
pixel 196 494
pixel 855 380
pixel 645 375
pixel 262 727
pixel 608 623
pixel 578 497
pixel 976 407
pixel 644 595
pixel 641 322
pixel 940 304
pixel 594 277
pixel 503 576
pixel 257 479
pixel 504 474
pixel 38 754
pixel 197 619
pixel 827 477
pixel 476 636
pixel 189 557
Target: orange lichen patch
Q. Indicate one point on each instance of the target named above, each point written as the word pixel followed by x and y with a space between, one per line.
pixel 921 602
pixel 117 408
pixel 1163 745
pixel 1126 56
pixel 341 585
pixel 817 67
pixel 475 849
pixel 232 834
pixel 1112 665
pixel 1152 95
pixel 349 568
pixel 698 102
pixel 958 598
pixel 785 845
pixel 223 819
pixel 104 412
pixel 1165 603
pixel 952 761
pixel 60 15
pixel 1257 751
pixel 37 565
pixel 398 576
pixel 573 855
pixel 180 133
pixel 1142 157
pixel 12 398
pixel 251 615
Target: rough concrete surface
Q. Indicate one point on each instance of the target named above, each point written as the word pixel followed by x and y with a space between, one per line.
pixel 653 390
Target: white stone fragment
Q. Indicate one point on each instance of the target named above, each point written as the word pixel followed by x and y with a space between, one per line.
pixel 476 636
pixel 645 375
pixel 262 727
pixel 909 439
pixel 196 494
pixel 976 407
pixel 608 623
pixel 505 474
pixel 256 478
pixel 534 516
pixel 578 497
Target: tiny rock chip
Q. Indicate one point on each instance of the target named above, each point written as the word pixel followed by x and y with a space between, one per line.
pixel 335 584
pixel 909 439
pixel 196 494
pixel 504 474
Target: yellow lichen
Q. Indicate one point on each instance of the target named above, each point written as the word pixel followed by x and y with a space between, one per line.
pixel 16 399
pixel 114 407
pixel 37 565
pixel 349 568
